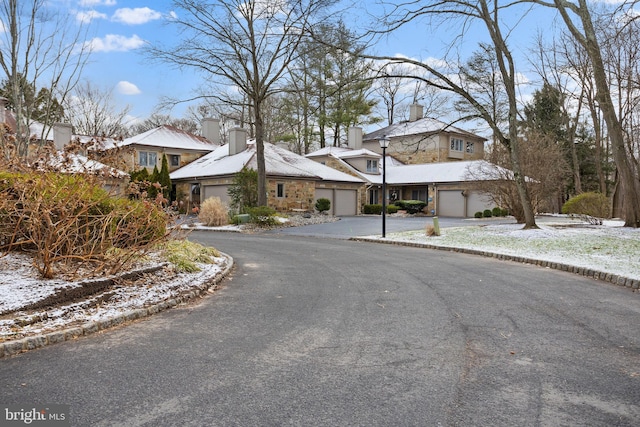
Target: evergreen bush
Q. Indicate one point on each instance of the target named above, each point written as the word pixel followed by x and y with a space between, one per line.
pixel 411 206
pixel 487 213
pixel 374 209
pixel 593 204
pixel 262 215
pixel 323 205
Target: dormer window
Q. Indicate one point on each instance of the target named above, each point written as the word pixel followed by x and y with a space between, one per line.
pixel 372 166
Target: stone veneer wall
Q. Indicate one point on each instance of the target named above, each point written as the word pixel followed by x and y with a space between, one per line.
pixel 298 194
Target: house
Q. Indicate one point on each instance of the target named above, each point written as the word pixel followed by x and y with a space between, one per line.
pixel 59 136
pixel 426 140
pixel 181 148
pixel 294 183
pixel 448 187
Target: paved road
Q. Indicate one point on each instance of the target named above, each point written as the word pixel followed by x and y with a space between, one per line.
pixel 356 334
pixel 367 225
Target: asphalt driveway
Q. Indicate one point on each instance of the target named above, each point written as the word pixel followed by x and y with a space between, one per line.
pixel 367 225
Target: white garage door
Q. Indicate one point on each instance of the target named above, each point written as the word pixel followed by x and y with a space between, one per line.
pixel 215 191
pixel 451 203
pixel 343 202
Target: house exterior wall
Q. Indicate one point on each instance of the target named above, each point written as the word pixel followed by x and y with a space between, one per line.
pixel 298 194
pixel 419 149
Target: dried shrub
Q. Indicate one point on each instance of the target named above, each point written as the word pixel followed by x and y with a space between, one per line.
pixel 67 218
pixel 214 212
pixel 430 230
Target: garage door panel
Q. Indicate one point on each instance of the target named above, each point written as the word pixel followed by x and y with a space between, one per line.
pixel 346 202
pixel 451 203
pixel 216 191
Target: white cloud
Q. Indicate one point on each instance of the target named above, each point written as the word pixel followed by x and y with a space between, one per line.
pixel 139 15
pixel 91 3
pixel 127 88
pixel 115 42
pixel 87 16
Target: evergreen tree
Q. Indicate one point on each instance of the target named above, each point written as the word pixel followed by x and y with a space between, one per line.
pixel 163 177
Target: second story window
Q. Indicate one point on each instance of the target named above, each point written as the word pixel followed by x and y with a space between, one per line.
pixel 174 160
pixel 147 158
pixel 457 144
pixel 372 166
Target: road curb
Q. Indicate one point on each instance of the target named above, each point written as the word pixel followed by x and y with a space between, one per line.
pixel 627 282
pixel 13 347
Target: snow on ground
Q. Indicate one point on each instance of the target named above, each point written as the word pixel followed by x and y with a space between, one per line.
pixel 609 248
pixel 20 286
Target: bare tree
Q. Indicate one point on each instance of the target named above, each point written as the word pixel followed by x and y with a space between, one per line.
pixel 488 14
pixel 42 45
pixel 92 111
pixel 579 21
pixel 247 44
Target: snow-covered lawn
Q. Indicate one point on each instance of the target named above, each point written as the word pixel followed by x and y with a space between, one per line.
pixel 20 286
pixel 608 248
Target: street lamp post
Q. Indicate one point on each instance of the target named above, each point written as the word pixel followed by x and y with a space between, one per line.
pixel 384 143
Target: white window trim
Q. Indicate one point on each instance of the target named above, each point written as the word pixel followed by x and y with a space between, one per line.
pixel 284 193
pixel 457 144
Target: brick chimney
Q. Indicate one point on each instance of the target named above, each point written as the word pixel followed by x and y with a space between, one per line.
pixel 237 140
pixel 355 138
pixel 61 135
pixel 416 112
pixel 211 129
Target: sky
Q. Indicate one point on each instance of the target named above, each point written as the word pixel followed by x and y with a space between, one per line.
pixel 121 28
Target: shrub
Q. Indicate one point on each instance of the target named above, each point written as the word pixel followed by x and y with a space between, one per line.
pixel 185 255
pixel 486 213
pixel 262 215
pixel 213 212
pixel 505 212
pixel 64 218
pixel 374 209
pixel 478 214
pixel 323 205
pixel 391 209
pixel 592 204
pixel 496 211
pixel 411 206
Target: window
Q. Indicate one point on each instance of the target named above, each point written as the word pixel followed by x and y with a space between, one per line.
pixel 280 190
pixel 470 147
pixel 373 196
pixel 174 160
pixel 147 158
pixel 372 166
pixel 456 144
pixel 420 194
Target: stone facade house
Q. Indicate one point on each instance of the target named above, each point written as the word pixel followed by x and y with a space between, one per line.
pixel 294 183
pixel 181 148
pixel 426 160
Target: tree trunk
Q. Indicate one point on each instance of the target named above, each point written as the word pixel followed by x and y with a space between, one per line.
pixel 262 173
pixel 630 185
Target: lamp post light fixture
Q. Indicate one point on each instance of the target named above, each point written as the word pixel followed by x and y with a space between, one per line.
pixel 384 143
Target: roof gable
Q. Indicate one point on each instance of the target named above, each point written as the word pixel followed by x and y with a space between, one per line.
pixel 170 137
pixel 278 162
pixel 422 126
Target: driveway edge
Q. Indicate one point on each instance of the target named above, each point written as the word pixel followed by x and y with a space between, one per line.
pixel 11 348
pixel 633 284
